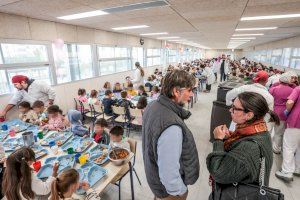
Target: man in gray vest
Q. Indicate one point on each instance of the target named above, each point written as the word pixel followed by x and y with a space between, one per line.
pixel 169 150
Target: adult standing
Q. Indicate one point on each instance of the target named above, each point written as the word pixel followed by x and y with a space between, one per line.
pixel 224 68
pixel 216 67
pixel 138 76
pixel 169 150
pixel 280 94
pixel 291 139
pixel 210 77
pixel 29 90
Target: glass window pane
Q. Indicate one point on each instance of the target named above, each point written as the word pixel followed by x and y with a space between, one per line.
pixel 296 52
pixel 62 66
pixel 4 89
pixel 37 73
pixel 149 62
pixel 121 52
pixel 84 53
pixel 24 53
pixel 285 58
pixel 122 65
pixel 73 61
pixel 277 52
pixel 138 55
pixel 106 52
pixel 156 52
pixel 107 67
pixel 295 63
pixel 156 61
pixel 149 52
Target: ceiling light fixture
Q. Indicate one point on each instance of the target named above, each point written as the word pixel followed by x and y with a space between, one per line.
pixel 270 17
pixel 166 38
pixel 248 34
pixel 83 15
pixel 256 29
pixel 246 38
pixel 129 27
pixel 149 34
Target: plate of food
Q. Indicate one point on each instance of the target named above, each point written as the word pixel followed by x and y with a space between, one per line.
pixel 78 144
pixel 118 155
pixel 59 137
pixel 98 149
pixel 66 160
pixel 100 158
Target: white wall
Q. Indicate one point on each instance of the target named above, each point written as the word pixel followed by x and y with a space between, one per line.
pixel 213 53
pixel 66 92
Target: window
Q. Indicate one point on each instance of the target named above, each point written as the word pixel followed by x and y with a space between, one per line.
pixel 113 59
pixel 172 56
pixel 295 63
pixel 285 58
pixel 36 73
pixel 296 52
pixel 24 53
pixel 73 62
pixel 4 89
pixel 138 55
pixel 153 57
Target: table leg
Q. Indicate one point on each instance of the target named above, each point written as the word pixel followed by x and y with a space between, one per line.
pixel 131 180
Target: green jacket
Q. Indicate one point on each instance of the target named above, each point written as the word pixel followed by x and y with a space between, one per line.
pixel 241 163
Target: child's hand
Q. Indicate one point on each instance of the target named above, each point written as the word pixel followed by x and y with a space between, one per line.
pixel 85 186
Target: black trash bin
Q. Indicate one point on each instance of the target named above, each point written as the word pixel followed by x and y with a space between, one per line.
pixel 220 115
pixel 225 87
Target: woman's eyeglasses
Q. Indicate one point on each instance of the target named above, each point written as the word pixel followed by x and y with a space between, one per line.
pixel 237 109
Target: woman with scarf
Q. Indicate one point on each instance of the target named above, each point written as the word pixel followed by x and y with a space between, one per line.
pixel 236 155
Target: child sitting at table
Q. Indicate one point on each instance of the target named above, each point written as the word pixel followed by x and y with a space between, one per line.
pixel 39 108
pixel 74 116
pixel 117 88
pixel 56 122
pixel 116 138
pixel 149 83
pixel 26 114
pixel 155 92
pixel 100 135
pixel 130 90
pixel 20 181
pixel 66 184
pixel 108 102
pixel 106 86
pixel 82 95
pixel 124 102
pixel 94 98
pixel 142 91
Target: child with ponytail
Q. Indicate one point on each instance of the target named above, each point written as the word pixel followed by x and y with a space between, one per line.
pixel 19 181
pixel 64 186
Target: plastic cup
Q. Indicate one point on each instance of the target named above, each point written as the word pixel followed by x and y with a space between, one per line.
pixel 2 119
pixel 12 133
pixel 35 138
pixel 4 127
pixel 40 135
pixel 37 166
pixel 77 155
pixel 82 159
pixel 70 150
pixel 52 143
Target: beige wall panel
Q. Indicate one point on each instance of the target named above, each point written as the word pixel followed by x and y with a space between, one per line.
pixel 14 27
pixel 66 32
pixel 85 35
pixel 42 30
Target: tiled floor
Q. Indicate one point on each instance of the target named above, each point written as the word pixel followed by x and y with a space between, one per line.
pixel 199 123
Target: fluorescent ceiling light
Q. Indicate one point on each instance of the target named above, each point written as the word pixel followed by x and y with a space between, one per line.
pixel 83 15
pixel 246 38
pixel 270 17
pixel 166 38
pixel 248 34
pixel 183 40
pixel 129 27
pixel 148 34
pixel 256 29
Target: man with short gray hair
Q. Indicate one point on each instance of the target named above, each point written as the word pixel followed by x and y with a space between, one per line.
pixel 169 150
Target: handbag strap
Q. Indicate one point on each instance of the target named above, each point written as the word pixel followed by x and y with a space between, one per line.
pixel 262 165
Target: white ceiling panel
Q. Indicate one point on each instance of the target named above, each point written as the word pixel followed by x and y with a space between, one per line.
pixel 207 22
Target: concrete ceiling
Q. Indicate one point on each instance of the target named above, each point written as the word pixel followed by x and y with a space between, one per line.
pixel 210 23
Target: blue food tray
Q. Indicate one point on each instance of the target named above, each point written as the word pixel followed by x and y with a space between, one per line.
pixel 93 157
pixel 41 151
pixel 3 135
pixel 55 136
pixel 96 150
pixel 92 174
pixel 64 161
pixel 14 122
pixel 11 144
pixel 46 170
pixel 78 142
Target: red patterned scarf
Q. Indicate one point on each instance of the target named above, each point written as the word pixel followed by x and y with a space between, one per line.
pixel 244 130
